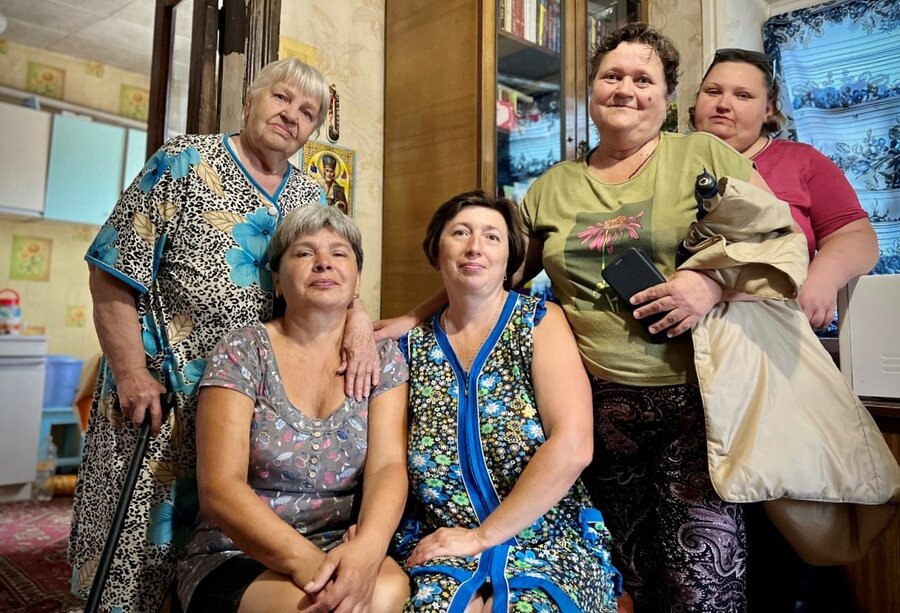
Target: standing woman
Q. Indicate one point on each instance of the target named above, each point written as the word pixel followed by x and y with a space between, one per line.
pixel 738 102
pixel 180 262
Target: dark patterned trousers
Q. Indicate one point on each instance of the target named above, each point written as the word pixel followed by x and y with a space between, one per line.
pixel 679 546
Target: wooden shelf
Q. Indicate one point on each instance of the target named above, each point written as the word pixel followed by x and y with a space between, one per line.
pixel 517 56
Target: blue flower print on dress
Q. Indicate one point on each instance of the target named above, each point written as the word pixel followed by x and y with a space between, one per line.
pixel 149 336
pixel 172 522
pixel 421 461
pixel 492 408
pixel 153 171
pixel 181 164
pixel 533 430
pixel 436 355
pixel 432 492
pixel 102 248
pixel 527 559
pixel 426 594
pixel 255 234
pixel 489 382
pixel 190 376
pixel 248 261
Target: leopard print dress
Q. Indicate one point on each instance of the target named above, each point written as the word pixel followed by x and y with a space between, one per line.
pixel 189 235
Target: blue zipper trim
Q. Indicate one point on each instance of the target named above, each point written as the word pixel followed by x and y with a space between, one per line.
pixel 499 583
pixel 468 435
pixel 273 198
pixel 480 504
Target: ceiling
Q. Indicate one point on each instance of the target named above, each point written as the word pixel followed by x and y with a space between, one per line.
pixel 117 33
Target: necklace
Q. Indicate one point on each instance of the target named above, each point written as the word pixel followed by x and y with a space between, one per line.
pixel 655 141
pixel 484 337
pixel 765 144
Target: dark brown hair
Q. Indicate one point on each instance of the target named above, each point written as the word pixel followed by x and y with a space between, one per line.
pixel 639 32
pixel 452 207
pixel 764 64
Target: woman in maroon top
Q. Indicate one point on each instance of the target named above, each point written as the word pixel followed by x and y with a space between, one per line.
pixel 738 102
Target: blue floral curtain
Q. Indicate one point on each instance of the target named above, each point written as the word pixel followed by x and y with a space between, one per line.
pixel 839 63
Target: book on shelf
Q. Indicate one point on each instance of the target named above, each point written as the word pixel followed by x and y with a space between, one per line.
pixel 535 21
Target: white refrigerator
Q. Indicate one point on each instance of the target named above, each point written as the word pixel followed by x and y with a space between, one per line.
pixel 23 362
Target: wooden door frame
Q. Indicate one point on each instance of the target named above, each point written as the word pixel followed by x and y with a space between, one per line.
pixel 228 48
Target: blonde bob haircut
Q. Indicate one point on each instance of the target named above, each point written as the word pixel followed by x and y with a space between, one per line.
pixel 295 73
pixel 309 220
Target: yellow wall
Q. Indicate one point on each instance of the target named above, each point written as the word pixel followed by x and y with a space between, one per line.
pixel 348 43
pixel 59 307
pixel 681 21
pixel 90 84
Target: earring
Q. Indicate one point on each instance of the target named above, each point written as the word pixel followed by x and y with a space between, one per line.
pixel 504 276
pixel 355 296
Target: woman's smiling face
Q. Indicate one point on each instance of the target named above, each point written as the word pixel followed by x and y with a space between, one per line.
pixel 474 249
pixel 629 93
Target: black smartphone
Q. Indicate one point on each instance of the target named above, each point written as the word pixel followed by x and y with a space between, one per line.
pixel 633 272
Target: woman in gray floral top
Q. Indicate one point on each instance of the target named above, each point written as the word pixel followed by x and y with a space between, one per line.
pixel 281 450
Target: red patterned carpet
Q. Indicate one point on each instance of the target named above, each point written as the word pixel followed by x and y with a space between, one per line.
pixel 34 576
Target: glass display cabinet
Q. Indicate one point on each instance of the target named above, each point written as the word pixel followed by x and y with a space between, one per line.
pixel 481 94
pixel 529 104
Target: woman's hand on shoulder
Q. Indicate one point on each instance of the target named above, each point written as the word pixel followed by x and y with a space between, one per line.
pixel 458 542
pixel 346 578
pixel 395 327
pixel 360 362
pixel 687 296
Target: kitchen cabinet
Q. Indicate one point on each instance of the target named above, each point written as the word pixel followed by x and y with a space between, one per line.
pixel 135 155
pixel 87 160
pixel 23 159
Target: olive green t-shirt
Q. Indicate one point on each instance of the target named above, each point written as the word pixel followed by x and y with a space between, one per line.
pixel 585 223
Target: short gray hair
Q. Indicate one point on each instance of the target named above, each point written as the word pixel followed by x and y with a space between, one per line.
pixel 297 74
pixel 309 220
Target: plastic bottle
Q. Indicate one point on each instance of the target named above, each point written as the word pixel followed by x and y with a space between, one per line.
pixel 42 488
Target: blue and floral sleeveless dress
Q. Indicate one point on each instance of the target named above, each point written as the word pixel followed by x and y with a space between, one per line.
pixel 189 235
pixel 471 436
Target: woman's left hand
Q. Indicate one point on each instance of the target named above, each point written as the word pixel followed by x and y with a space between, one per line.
pixel 818 301
pixel 346 578
pixel 687 296
pixel 359 356
pixel 446 542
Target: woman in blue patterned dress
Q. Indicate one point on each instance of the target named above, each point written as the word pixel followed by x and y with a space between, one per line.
pixel 180 262
pixel 280 459
pixel 500 429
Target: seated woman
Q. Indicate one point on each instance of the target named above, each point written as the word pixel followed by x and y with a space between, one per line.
pixel 281 449
pixel 500 429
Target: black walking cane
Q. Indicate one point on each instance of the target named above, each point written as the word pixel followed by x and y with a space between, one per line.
pixel 115 529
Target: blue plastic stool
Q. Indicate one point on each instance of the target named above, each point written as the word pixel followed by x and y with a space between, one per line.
pixel 72 441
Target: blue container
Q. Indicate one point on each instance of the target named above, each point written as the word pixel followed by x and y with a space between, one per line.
pixel 61 382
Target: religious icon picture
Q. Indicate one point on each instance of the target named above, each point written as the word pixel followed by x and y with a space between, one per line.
pixel 333 168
